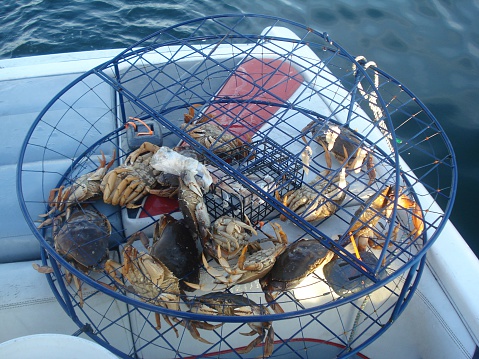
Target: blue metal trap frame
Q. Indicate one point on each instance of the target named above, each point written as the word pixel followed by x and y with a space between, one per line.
pixel 263 88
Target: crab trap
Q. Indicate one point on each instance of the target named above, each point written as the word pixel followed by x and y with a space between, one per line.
pixel 213 181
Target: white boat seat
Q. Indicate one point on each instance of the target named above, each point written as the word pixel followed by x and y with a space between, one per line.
pixel 21 102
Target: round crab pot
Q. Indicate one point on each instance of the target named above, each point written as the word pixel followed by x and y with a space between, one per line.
pixel 276 130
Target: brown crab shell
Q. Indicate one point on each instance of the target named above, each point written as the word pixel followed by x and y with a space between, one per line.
pixel 345 279
pixel 299 260
pixel 83 238
pixel 176 248
pixel 346 141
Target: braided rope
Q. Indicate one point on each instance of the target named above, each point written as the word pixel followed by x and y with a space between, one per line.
pixel 373 99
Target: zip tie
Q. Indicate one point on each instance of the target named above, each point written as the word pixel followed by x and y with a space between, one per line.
pixel 130 123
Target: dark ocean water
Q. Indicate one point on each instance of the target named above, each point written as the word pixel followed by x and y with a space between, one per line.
pixel 432 46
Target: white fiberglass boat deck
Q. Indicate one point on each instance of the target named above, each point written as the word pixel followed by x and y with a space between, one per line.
pixel 441 319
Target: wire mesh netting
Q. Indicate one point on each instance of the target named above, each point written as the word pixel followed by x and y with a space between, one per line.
pixel 210 182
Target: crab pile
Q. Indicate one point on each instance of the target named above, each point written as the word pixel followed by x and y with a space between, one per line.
pixel 205 254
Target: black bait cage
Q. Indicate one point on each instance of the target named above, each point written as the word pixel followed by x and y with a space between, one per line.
pixel 312 182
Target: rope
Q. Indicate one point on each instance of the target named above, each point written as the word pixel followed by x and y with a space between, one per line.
pixel 356 320
pixel 373 99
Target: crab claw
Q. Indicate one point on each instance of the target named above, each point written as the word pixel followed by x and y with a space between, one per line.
pixel 306 158
pixel 358 161
pixel 331 135
pixel 342 179
pixel 192 326
pixel 189 180
pixel 42 269
pixel 203 177
pixel 203 220
pixel 214 273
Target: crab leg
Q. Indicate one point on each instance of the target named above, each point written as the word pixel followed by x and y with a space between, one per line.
pixel 358 161
pixel 371 169
pixel 144 148
pixel 112 161
pixel 225 238
pixel 252 345
pixel 78 284
pixel 417 217
pixel 331 136
pixel 168 192
pixel 55 195
pixel 138 189
pixel 189 180
pixel 192 326
pixel 167 320
pixel 221 281
pixel 42 269
pixel 233 275
pixel 116 195
pixel 245 225
pixel 241 261
pixel 62 198
pixel 110 180
pixel 111 267
pixel 131 191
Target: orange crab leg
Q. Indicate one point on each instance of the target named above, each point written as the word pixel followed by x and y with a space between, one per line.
pixel 113 157
pixel 191 113
pixel 242 258
pixel 102 159
pixel 305 130
pixel 417 217
pixel 65 197
pixel 134 189
pixel 140 190
pixel 418 221
pixel 54 194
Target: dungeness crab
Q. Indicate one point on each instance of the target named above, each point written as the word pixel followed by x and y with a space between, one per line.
pixel 231 235
pixel 319 199
pixel 82 239
pixel 345 279
pixel 364 225
pixel 340 141
pixel 299 260
pixel 174 246
pixel 128 183
pixel 83 188
pixel 150 279
pixel 212 135
pixel 249 267
pixel 232 305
